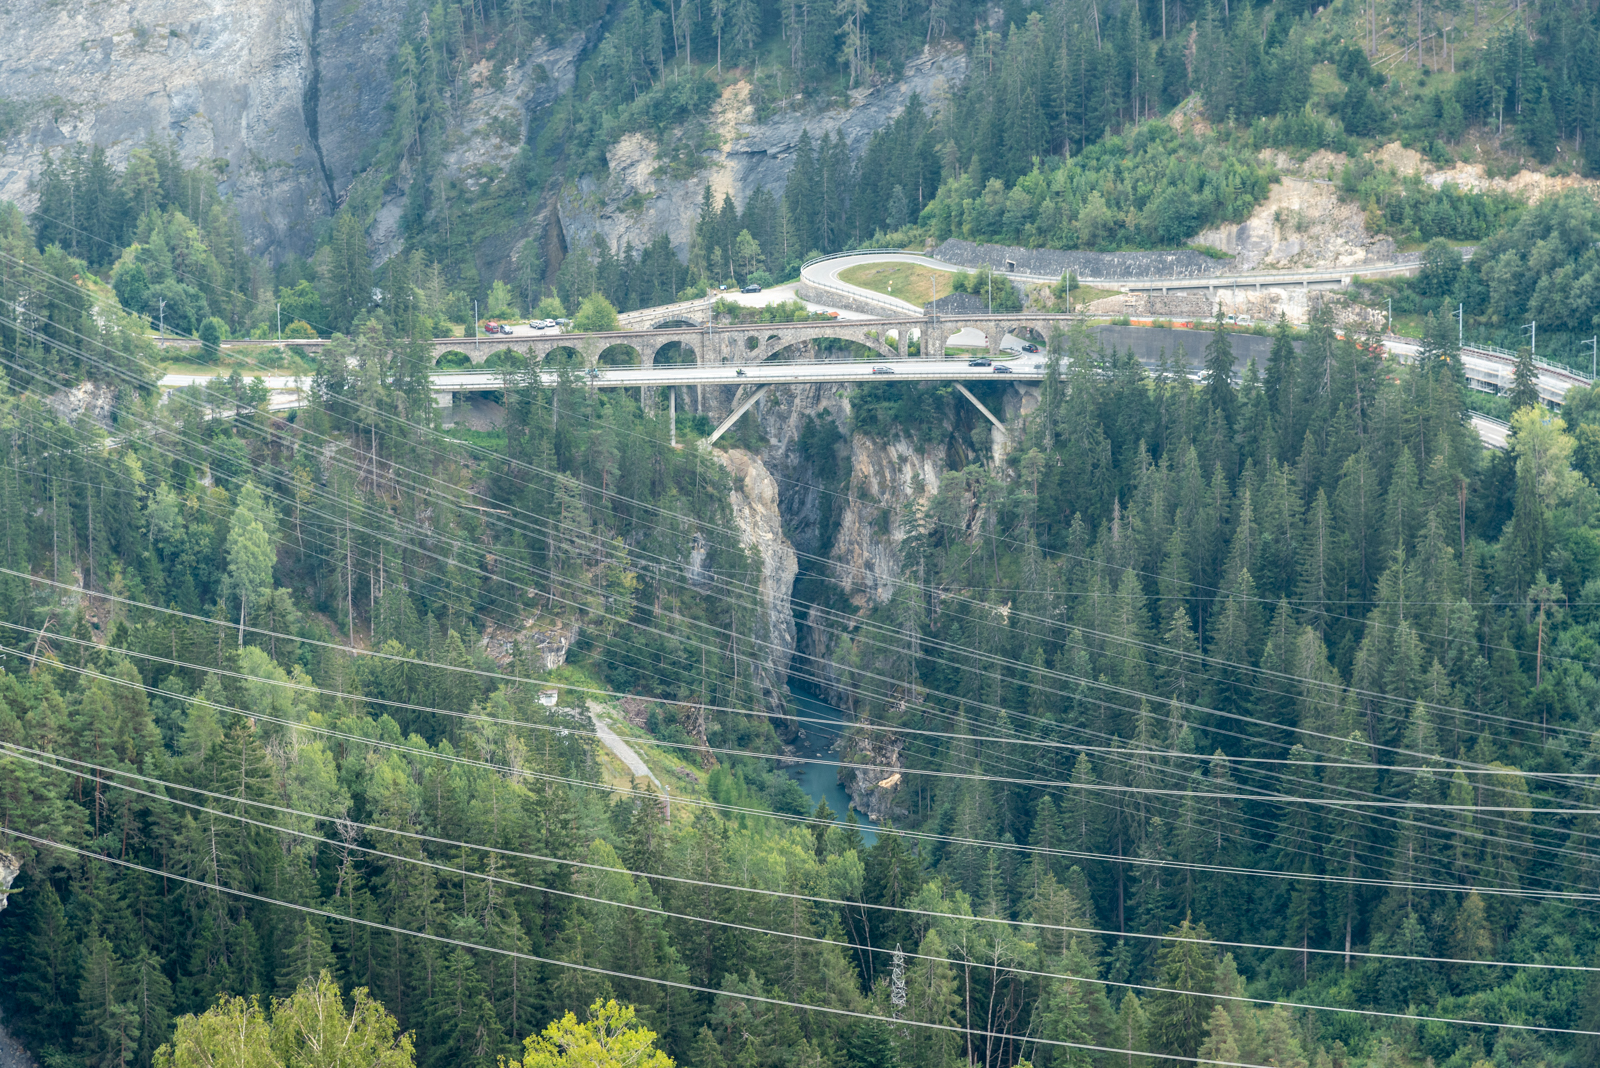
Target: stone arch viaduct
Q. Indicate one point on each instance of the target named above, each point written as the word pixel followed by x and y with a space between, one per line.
pixel 714 344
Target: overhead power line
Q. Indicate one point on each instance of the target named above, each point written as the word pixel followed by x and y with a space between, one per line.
pixel 104 776
pixel 566 780
pixel 533 958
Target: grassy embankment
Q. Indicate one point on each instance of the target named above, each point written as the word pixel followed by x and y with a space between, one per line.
pixel 907 281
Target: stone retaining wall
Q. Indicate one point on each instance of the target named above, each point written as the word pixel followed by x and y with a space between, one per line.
pixel 1053 263
pixel 856 302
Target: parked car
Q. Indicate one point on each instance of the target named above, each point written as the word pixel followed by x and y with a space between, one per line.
pixel 751 288
pixel 1001 369
pixel 883 370
pixel 979 363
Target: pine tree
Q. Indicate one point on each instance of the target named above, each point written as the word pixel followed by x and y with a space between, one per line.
pixel 1220 1045
pixel 871 1045
pixel 1280 383
pixel 349 271
pixel 705 1053
pixel 932 996
pixel 462 1026
pixel 250 559
pixel 307 956
pixel 1524 382
pixel 1133 1023
pixel 1220 396
pixel 108 1019
pixel 150 995
pixel 1178 1020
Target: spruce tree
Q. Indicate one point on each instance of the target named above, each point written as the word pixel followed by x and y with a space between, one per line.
pixel 108 1019
pixel 1219 392
pixel 1177 1017
pixel 1524 382
pixel 306 956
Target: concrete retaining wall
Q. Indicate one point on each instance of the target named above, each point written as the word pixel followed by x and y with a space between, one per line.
pixel 856 302
pixel 1149 341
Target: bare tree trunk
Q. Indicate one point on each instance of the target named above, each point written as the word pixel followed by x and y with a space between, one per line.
pixel 349 583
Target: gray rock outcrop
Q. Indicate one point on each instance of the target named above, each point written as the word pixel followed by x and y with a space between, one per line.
pixel 756 510
pixel 289 93
pixel 10 868
pixel 489 120
pixel 633 201
pixel 287 98
pixel 1302 223
pixel 886 476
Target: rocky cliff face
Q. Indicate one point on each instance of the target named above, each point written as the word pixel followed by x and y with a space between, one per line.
pixel 849 534
pixel 876 790
pixel 290 93
pixel 756 510
pixel 490 122
pixel 10 868
pixel 858 553
pixel 1302 223
pixel 633 202
pixel 886 476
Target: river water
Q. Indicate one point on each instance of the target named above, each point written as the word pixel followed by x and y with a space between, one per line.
pixel 820 781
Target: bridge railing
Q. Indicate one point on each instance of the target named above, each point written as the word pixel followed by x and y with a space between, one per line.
pixel 1511 357
pixel 857 252
pixel 170 342
pixel 881 302
pixel 666 310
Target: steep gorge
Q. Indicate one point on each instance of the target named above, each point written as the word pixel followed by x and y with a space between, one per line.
pixel 827 506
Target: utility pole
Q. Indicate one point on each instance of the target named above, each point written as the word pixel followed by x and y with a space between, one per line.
pixel 991 291
pixel 1461 326
pixel 280 321
pixel 1390 304
pixel 161 311
pixel 1594 355
pixel 1533 327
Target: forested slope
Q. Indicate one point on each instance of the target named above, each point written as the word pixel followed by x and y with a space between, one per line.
pixel 1280 691
pixel 1248 722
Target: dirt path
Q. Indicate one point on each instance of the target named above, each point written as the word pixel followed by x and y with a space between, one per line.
pixel 624 752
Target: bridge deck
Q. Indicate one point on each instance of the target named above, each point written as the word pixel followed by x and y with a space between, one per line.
pixel 758 374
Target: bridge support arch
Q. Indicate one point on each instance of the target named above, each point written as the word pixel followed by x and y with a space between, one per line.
pixel 999 427
pixel 738 411
pixel 872 339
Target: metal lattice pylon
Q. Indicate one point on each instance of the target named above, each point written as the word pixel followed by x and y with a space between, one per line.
pixel 897 983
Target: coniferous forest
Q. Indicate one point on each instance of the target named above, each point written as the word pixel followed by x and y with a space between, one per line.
pixel 1244 719
pixel 1242 723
